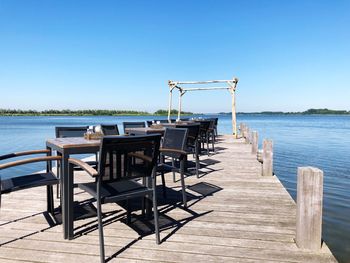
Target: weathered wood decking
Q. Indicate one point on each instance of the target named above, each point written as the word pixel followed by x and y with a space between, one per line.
pixel 234 215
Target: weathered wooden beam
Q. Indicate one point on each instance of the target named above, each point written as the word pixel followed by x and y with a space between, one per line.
pixel 259 155
pixel 247 135
pixel 309 208
pixel 254 142
pixel 241 125
pixel 267 156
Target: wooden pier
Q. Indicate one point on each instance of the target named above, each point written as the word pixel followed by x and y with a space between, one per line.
pixel 234 214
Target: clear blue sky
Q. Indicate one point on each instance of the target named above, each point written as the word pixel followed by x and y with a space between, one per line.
pixel 288 55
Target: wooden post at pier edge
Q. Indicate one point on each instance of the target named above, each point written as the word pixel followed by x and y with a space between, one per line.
pixel 240 129
pixel 254 142
pixel 247 135
pixel 309 208
pixel 267 163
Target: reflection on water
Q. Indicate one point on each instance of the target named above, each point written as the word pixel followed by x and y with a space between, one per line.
pixel 321 141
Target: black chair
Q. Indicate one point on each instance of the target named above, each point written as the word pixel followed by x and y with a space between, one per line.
pixel 204 132
pixel 216 120
pixel 64 132
pixel 71 131
pixel 109 129
pixel 21 182
pixel 213 129
pixel 174 146
pixel 192 144
pixel 133 124
pixel 135 157
pixel 161 121
pixel 211 133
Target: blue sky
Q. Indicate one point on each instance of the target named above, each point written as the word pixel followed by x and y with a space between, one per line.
pixel 288 55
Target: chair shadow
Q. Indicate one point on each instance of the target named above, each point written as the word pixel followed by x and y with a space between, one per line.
pixel 143 225
pixel 52 222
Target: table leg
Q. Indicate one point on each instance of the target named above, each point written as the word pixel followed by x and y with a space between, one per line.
pixel 67 196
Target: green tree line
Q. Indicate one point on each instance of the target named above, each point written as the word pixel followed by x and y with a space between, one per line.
pixel 67 112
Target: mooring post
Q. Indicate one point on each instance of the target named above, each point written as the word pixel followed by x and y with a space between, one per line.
pixel 254 142
pixel 309 208
pixel 244 129
pixel 241 125
pixel 247 135
pixel 267 158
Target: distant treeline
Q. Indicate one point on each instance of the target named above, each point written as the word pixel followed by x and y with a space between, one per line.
pixel 307 112
pixel 9 112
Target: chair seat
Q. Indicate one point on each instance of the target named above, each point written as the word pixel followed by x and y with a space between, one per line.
pixel 27 181
pixel 164 168
pixel 115 191
pixel 190 149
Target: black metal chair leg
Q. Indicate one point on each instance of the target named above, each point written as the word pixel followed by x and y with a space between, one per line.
pixel 182 168
pixel 128 212
pixel 155 210
pixel 197 165
pixel 173 165
pixel 50 204
pixel 207 139
pixel 197 160
pixel 143 206
pixel 212 141
pixel 58 176
pixel 163 184
pixel 100 230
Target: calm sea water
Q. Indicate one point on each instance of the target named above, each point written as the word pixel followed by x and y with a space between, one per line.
pixel 321 141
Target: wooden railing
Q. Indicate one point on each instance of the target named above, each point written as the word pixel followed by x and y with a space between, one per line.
pixel 309 192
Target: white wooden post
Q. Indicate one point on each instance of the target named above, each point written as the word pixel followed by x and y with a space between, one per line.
pixel 241 129
pixel 254 142
pixel 170 103
pixel 234 124
pixel 267 165
pixel 309 208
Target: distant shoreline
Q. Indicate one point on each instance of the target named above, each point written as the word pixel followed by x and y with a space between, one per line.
pixel 307 112
pixel 5 112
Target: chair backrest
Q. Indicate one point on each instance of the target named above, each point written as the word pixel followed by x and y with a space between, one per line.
pixel 214 122
pixel 133 124
pixel 161 121
pixel 204 125
pixel 175 138
pixel 193 132
pixel 63 132
pixel 109 129
pixel 128 157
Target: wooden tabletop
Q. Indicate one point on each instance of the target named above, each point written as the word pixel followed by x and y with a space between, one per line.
pixel 73 142
pixel 146 130
pixel 174 124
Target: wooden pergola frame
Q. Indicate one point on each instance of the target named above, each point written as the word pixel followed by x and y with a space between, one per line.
pixel 178 85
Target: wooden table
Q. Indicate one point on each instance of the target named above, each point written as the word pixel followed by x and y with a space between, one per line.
pixel 65 147
pixel 143 131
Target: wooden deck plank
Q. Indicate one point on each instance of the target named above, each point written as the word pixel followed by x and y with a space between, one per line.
pixel 247 218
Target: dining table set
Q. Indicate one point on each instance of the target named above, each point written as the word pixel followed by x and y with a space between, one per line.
pixel 125 167
pixel 68 146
